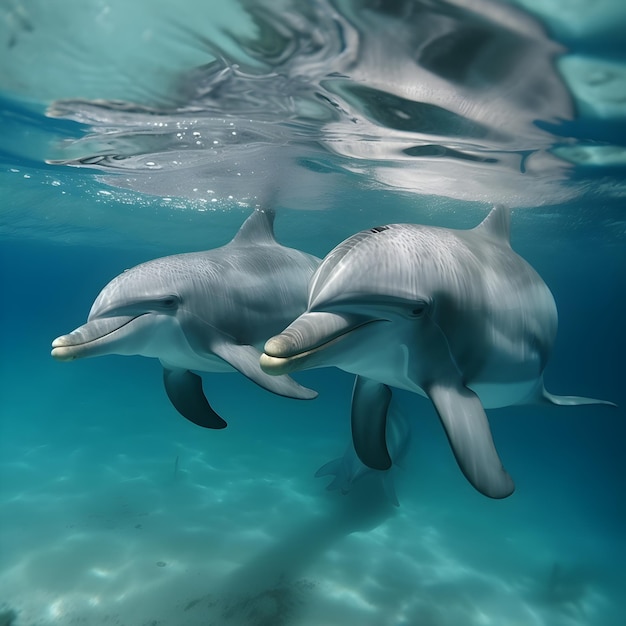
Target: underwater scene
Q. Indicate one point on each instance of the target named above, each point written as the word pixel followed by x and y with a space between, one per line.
pixel 280 282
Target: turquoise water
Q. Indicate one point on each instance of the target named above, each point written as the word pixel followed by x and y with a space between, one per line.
pixel 134 132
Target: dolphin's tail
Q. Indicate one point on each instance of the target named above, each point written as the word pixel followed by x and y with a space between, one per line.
pixel 548 398
pixel 540 395
pixel 339 469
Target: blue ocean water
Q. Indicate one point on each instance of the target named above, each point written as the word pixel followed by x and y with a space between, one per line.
pixel 132 131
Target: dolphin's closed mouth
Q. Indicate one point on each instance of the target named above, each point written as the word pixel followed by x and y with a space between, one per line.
pixel 310 334
pixel 87 339
pixel 276 366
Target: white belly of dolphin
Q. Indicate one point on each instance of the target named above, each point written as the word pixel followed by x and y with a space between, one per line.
pixel 174 351
pixel 497 395
pixel 391 366
pixel 492 395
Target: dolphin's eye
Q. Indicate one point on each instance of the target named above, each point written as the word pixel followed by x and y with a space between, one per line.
pixel 168 302
pixel 418 310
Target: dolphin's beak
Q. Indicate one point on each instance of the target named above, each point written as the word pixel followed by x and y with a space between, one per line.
pixel 299 346
pixel 94 338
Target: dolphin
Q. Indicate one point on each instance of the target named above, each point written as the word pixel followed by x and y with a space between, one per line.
pixel 348 469
pixel 206 311
pixel 454 315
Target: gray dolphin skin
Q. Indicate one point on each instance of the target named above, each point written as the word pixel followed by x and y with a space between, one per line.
pixel 207 311
pixel 454 315
pixel 349 469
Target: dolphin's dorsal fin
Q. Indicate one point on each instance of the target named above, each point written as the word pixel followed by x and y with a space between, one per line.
pixel 497 225
pixel 258 229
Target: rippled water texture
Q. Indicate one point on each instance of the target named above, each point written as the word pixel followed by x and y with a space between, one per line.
pixel 464 99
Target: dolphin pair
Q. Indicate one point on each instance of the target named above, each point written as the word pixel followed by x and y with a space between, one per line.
pixel 206 311
pixel 454 315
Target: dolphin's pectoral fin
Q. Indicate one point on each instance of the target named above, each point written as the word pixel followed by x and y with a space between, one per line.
pixel 370 401
pixel 245 359
pixel 184 389
pixel 467 428
pixel 542 396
